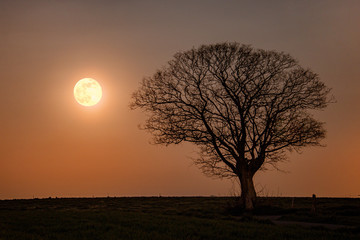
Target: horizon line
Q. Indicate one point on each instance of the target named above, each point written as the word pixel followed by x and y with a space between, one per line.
pixel 169 196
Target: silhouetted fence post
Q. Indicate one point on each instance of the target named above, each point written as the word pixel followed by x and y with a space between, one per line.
pixel 313 208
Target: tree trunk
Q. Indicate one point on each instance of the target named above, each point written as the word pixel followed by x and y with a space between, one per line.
pixel 248 194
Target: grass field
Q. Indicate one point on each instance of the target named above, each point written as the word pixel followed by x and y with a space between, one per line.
pixel 175 218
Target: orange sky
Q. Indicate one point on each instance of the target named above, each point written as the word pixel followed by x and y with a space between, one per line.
pixel 52 146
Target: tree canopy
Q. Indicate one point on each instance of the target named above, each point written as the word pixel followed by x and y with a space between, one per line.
pixel 242 106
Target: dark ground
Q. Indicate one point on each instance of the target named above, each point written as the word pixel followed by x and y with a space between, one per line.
pixel 178 218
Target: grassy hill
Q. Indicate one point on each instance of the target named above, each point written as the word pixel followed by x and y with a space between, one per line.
pixel 177 218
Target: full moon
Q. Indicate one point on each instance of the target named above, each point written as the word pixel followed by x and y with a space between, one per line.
pixel 87 92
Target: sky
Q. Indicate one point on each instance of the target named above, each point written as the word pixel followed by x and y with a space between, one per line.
pixel 50 146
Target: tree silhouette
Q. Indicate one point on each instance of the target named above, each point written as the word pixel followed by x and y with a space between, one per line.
pixel 243 107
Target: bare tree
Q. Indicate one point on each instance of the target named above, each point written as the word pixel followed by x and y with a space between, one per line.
pixel 243 107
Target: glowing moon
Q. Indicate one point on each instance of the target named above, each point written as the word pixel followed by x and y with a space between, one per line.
pixel 87 92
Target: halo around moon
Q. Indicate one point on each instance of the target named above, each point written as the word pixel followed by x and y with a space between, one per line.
pixel 87 92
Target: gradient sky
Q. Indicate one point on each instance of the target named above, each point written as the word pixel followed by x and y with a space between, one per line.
pixel 52 146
